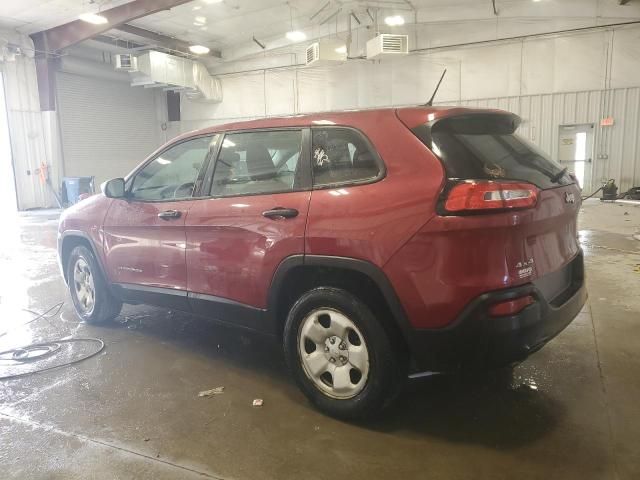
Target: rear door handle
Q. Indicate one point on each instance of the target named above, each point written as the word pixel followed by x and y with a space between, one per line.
pixel 280 212
pixel 169 214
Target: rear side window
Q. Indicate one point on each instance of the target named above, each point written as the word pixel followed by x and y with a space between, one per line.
pixel 485 147
pixel 257 162
pixel 342 155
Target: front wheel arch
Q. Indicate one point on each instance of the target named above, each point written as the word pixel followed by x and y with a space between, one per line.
pixel 71 241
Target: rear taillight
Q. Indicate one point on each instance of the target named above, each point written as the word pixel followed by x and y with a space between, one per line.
pixel 478 196
pixel 510 307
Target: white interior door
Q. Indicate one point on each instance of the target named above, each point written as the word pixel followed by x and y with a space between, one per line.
pixel 575 151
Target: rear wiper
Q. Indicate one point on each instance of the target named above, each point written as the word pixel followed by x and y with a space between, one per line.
pixel 559 175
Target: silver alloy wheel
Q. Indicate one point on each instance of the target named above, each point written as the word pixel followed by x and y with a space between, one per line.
pixel 84 286
pixel 333 353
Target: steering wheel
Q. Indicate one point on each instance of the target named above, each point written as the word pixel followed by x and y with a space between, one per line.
pixel 177 193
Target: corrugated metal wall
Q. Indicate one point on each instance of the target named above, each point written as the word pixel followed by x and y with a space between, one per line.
pixel 542 115
pixel 108 127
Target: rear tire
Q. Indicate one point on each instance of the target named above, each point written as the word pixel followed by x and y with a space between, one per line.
pixel 340 355
pixel 92 299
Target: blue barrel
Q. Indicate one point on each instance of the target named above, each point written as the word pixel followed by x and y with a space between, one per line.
pixel 73 187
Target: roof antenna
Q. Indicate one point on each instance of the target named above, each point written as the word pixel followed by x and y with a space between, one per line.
pixel 430 102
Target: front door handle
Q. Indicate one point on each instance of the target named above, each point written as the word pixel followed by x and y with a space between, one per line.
pixel 280 212
pixel 169 214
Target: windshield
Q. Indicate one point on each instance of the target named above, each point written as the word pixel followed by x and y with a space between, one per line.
pixel 485 147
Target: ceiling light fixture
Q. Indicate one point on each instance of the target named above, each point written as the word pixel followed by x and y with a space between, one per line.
pixel 394 20
pixel 296 36
pixel 342 49
pixel 211 2
pixel 93 18
pixel 199 49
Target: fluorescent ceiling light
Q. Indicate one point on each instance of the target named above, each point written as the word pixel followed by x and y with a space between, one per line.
pixel 163 161
pixel 93 18
pixel 201 19
pixel 199 49
pixel 342 49
pixel 394 20
pixel 296 36
pixel 211 2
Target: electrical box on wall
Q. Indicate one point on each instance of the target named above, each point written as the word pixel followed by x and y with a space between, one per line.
pixel 387 45
pixel 326 52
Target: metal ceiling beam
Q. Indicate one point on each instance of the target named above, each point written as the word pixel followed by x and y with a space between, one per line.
pixel 69 34
pixel 49 42
pixel 164 41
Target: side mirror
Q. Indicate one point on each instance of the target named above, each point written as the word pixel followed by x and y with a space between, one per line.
pixel 113 188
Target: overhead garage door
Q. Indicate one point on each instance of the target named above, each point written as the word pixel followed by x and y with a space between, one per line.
pixel 108 127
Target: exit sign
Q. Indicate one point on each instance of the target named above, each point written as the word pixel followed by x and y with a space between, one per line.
pixel 607 122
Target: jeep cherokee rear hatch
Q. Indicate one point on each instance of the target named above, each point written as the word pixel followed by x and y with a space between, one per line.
pixel 484 146
pixel 506 214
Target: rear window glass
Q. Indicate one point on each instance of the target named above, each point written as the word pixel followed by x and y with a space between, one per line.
pixel 485 147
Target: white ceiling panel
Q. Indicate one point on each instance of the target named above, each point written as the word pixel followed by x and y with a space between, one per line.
pixel 229 25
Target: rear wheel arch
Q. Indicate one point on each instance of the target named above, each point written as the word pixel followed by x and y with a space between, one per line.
pixel 299 274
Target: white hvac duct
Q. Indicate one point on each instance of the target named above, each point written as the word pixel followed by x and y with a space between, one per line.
pixel 158 69
pixel 87 68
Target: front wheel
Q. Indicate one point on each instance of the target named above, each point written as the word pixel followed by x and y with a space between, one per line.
pixel 340 355
pixel 93 301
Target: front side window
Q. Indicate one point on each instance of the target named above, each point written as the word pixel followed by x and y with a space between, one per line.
pixel 174 175
pixel 257 162
pixel 342 155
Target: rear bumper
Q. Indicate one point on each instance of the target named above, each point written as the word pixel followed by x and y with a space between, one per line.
pixel 478 341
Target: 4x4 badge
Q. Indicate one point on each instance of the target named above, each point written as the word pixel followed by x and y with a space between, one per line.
pixel 569 197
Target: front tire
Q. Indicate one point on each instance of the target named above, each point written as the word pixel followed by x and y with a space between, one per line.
pixel 340 355
pixel 92 300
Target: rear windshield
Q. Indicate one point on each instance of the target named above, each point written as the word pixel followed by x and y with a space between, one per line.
pixel 484 147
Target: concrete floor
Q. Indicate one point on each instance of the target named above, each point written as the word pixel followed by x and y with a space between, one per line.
pixel 133 411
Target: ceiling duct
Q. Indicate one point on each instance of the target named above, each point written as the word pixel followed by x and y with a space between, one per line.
pixel 157 69
pixel 387 45
pixel 326 52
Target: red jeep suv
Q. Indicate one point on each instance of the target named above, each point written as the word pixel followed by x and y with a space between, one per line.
pixel 375 244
